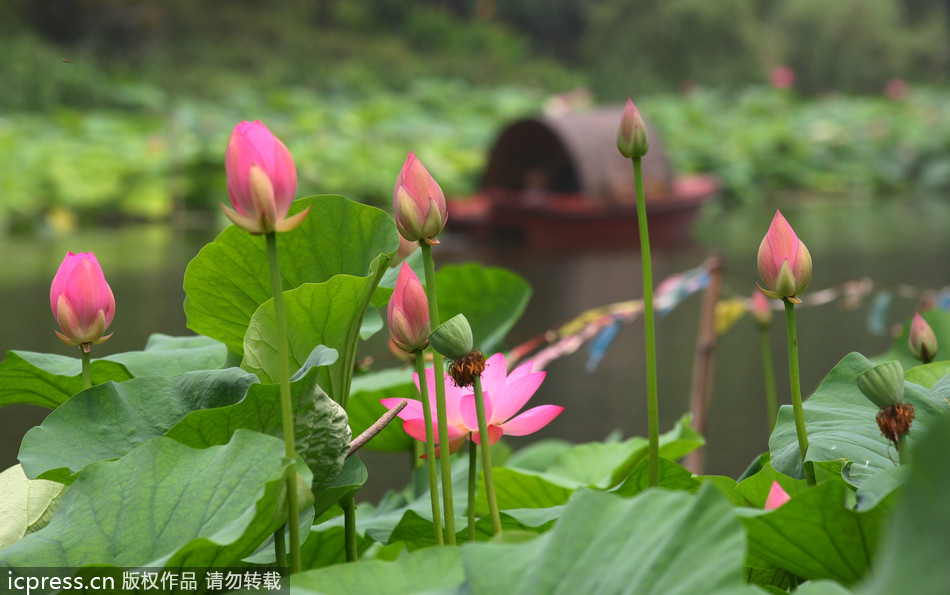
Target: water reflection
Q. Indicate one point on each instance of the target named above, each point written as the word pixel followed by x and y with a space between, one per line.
pixel 900 242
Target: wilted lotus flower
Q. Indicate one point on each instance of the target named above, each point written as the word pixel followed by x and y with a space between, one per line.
pixel 784 261
pixel 408 312
pixel 777 496
pixel 262 179
pixel 505 395
pixel 82 301
pixel 922 340
pixel 632 135
pixel 418 203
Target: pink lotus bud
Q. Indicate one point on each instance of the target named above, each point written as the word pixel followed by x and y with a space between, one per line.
pixel 782 77
pixel 784 261
pixel 409 312
pixel 776 497
pixel 82 301
pixel 418 203
pixel 922 340
pixel 896 89
pixel 262 180
pixel 405 250
pixel 632 135
pixel 761 309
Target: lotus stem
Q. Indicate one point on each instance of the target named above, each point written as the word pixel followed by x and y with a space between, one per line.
pixel 86 370
pixel 653 416
pixel 349 528
pixel 439 369
pixel 486 456
pixel 795 383
pixel 430 448
pixel 472 479
pixel 280 547
pixel 286 411
pixel 902 450
pixel 768 373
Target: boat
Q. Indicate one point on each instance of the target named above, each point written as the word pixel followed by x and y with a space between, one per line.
pixel 561 182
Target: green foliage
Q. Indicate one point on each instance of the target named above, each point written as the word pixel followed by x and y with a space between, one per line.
pixel 852 45
pixel 49 380
pixel 841 425
pixel 322 436
pixel 26 505
pixel 199 409
pixel 939 321
pixel 681 543
pixel 422 571
pixel 364 407
pixel 139 164
pixel 795 536
pixel 760 142
pixel 328 313
pixel 228 280
pixel 714 42
pixel 351 478
pixel 916 543
pixel 492 299
pixel 870 40
pixel 179 506
pixel 109 420
pixel 670 476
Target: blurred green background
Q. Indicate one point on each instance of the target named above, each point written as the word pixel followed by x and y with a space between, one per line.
pixel 119 110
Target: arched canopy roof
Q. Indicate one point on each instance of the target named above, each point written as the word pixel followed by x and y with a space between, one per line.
pixel 574 154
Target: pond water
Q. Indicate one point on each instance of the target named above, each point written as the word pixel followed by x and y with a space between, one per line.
pixel 892 243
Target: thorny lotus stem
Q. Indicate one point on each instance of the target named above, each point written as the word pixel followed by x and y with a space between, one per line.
pixel 768 373
pixel 439 369
pixel 430 447
pixel 486 456
pixel 653 415
pixel 86 370
pixel 472 479
pixel 287 418
pixel 795 382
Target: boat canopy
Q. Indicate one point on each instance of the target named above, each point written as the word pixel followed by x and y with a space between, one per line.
pixel 574 154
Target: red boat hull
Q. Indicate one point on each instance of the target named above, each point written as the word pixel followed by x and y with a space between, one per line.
pixel 574 220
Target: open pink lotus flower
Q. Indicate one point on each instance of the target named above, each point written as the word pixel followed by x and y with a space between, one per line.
pixel 82 301
pixel 777 496
pixel 505 395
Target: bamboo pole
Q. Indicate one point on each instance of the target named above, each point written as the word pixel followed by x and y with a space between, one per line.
pixel 704 360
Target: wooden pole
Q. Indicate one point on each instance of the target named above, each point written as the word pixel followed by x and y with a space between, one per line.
pixel 704 360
